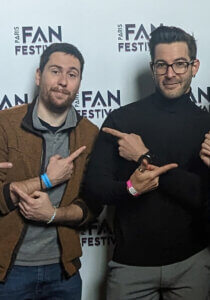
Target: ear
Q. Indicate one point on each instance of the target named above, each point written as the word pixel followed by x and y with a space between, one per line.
pixel 195 67
pixel 151 68
pixel 38 77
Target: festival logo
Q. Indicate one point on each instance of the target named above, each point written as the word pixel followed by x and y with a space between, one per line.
pixel 134 37
pixel 9 101
pixel 202 99
pixel 97 104
pixel 98 234
pixel 31 40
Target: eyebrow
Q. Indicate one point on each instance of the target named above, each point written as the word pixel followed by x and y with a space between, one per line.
pixel 60 68
pixel 177 59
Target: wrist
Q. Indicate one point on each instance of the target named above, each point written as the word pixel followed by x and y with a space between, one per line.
pixel 53 215
pixel 147 155
pixel 44 179
pixel 131 190
pixel 140 153
pixel 53 181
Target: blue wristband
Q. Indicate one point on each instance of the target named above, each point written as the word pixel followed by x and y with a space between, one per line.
pixel 46 181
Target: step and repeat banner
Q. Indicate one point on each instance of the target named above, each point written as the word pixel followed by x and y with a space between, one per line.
pixel 113 38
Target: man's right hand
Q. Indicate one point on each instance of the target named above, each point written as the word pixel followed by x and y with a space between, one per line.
pixel 60 169
pixel 131 146
pixel 146 180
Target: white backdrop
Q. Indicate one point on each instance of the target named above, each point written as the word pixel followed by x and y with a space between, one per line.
pixel 113 37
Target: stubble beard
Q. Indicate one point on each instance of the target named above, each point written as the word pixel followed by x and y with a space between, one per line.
pixel 176 93
pixel 53 104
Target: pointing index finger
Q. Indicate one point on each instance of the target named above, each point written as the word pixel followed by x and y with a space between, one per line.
pixel 5 165
pixel 76 153
pixel 164 169
pixel 114 132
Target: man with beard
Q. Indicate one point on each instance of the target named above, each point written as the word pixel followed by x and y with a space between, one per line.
pixel 48 144
pixel 161 244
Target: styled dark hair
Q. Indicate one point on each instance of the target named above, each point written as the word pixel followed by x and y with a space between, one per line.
pixel 60 47
pixel 170 34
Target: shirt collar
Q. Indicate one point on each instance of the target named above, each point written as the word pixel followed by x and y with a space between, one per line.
pixel 71 119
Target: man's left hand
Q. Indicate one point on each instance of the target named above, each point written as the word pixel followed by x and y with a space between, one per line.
pixel 205 150
pixel 146 180
pixel 36 207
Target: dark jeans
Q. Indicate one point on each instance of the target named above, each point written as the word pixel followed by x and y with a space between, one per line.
pixel 40 283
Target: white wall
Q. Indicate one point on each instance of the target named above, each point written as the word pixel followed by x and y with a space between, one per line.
pixel 98 29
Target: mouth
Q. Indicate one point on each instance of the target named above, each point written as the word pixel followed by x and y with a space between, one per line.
pixel 170 85
pixel 61 92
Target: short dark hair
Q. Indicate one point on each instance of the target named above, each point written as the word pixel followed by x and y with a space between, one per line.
pixel 171 34
pixel 60 47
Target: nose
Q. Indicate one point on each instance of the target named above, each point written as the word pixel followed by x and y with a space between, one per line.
pixel 170 72
pixel 62 80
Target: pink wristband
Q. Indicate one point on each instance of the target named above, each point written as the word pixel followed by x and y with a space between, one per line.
pixel 131 189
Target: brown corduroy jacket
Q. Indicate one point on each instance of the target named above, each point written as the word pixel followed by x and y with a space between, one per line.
pixel 22 145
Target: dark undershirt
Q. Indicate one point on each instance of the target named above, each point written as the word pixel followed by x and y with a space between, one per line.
pixel 53 129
